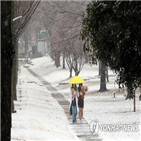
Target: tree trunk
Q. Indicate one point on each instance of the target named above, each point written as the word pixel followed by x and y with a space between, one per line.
pixel 52 55
pixel 14 75
pixel 76 69
pixel 134 92
pixel 64 61
pixel 103 78
pixel 99 68
pixel 55 59
pixel 15 70
pixel 70 72
pixel 107 76
pixel 75 66
pixel 7 52
pixel 86 57
pixel 130 90
pixel 58 58
pixel 70 65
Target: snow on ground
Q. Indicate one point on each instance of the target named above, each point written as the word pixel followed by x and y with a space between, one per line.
pixel 98 106
pixel 44 66
pixel 116 111
pixel 39 116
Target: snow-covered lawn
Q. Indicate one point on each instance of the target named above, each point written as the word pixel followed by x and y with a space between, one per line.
pixel 98 106
pixel 116 111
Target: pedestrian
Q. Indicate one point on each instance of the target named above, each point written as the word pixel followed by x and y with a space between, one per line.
pixel 81 101
pixel 74 101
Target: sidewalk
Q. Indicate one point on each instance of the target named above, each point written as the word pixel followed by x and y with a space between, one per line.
pixel 39 116
pixel 82 129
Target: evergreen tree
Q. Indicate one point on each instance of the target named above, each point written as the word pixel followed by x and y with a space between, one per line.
pixel 112 32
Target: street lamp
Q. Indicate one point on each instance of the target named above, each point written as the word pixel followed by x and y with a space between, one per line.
pixel 17 18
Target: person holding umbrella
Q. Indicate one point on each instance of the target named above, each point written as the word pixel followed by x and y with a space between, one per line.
pixel 74 96
pixel 81 101
pixel 74 102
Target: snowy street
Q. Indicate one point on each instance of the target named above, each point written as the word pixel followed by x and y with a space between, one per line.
pixel 40 117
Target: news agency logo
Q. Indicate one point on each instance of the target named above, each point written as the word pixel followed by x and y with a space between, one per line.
pixel 95 127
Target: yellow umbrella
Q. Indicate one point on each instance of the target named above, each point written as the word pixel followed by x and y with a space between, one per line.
pixel 76 80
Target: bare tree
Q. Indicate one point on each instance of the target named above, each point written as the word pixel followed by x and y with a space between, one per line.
pixel 69 61
pixel 63 21
pixel 25 9
pixel 22 12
